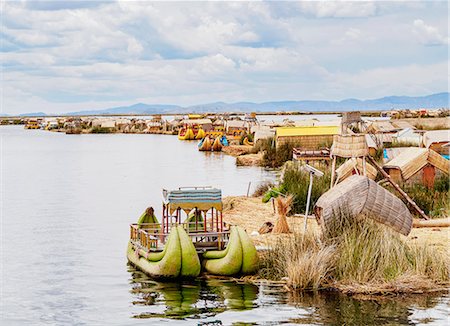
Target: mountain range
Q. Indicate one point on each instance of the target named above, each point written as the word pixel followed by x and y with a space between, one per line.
pixel 438 100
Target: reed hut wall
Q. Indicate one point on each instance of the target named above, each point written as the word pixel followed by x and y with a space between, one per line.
pixel 309 142
pixel 372 201
pixel 349 146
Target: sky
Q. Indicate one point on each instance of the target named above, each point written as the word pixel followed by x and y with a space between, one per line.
pixel 65 56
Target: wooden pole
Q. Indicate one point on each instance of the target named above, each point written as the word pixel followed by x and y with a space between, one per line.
pixel 308 199
pixel 333 171
pixel 364 165
pixel 397 187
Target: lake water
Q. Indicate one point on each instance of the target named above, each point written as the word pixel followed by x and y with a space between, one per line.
pixel 66 203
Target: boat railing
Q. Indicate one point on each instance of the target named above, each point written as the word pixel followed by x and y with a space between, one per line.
pixel 151 236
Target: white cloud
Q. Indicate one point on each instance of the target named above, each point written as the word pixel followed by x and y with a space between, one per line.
pixel 341 9
pixel 406 80
pixel 81 57
pixel 427 34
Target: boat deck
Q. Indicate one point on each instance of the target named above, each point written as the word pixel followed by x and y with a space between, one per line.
pixel 150 237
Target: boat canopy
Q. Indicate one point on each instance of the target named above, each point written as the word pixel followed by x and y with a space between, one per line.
pixel 188 198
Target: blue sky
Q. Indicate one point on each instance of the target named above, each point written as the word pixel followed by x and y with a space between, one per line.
pixel 74 55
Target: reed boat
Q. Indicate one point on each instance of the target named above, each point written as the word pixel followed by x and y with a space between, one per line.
pixel 239 257
pixel 190 237
pixel 217 145
pixel 247 142
pixel 204 144
pixel 186 134
pixel 32 124
pixel 200 134
pixel 224 141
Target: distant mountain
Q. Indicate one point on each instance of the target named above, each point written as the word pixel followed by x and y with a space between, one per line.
pixel 139 108
pixel 438 100
pixel 33 114
pixel 386 103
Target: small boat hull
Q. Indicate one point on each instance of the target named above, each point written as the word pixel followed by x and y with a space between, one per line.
pixel 178 259
pixel 186 134
pixel 217 145
pixel 205 144
pixel 200 134
pixel 247 142
pixel 239 257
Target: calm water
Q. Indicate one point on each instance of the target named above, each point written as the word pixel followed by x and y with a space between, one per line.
pixel 67 201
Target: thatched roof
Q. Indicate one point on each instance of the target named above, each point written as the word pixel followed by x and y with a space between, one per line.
pixel 197 121
pixel 236 124
pixel 349 146
pixel 402 124
pixel 413 159
pixel 382 126
pixel 372 200
pixel 346 169
pixel 436 136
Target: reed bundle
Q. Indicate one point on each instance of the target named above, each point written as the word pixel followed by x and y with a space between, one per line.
pixel 283 205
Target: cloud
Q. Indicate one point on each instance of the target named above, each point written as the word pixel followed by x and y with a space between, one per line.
pixel 60 57
pixel 338 9
pixel 427 34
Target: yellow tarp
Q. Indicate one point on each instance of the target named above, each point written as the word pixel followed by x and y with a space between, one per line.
pixel 307 131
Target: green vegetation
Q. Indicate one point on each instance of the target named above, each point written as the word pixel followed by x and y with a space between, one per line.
pixel 101 130
pixel 262 188
pixel 434 202
pixel 295 181
pixel 421 126
pixel 400 144
pixel 248 136
pixel 274 156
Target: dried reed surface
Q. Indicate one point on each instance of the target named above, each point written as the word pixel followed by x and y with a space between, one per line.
pixel 237 150
pixel 251 214
pixel 249 160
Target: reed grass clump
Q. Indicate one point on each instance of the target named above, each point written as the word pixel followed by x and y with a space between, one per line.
pixel 301 259
pixel 274 156
pixel 296 181
pixel 262 188
pixel 101 130
pixel 435 202
pixel 357 255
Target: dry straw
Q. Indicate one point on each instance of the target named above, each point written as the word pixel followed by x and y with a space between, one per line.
pixel 283 205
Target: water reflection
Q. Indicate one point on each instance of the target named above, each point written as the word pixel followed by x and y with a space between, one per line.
pixel 189 298
pixel 222 302
pixel 332 308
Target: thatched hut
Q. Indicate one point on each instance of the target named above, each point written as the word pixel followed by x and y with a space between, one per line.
pixel 205 124
pixel 435 139
pixel 372 201
pixel 308 137
pixel 416 164
pixel 349 146
pixel 382 126
pixel 355 166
